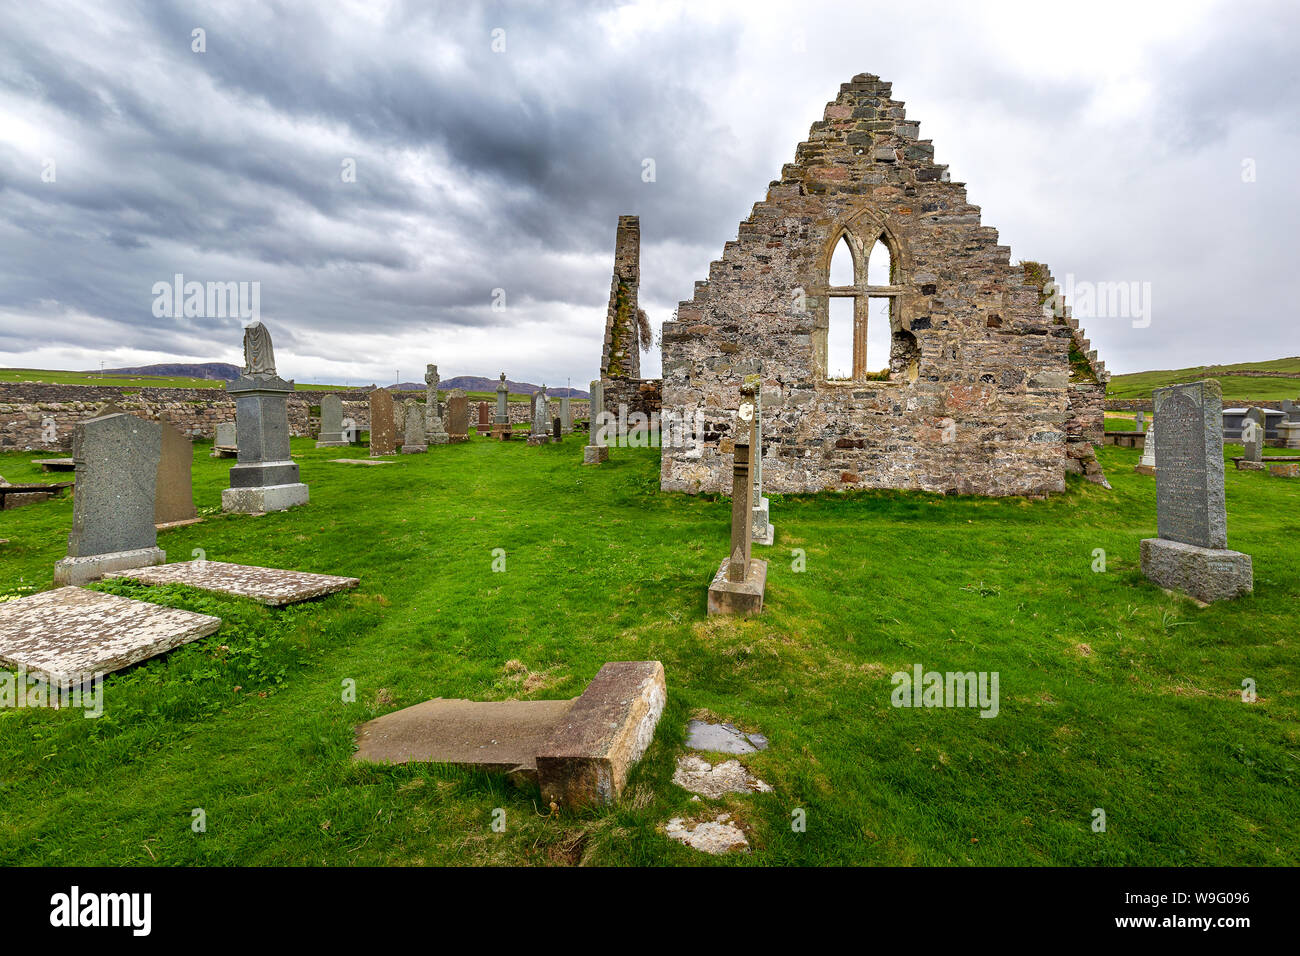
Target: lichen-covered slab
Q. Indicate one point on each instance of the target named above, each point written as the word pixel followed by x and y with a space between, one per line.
pixel 69 635
pixel 272 586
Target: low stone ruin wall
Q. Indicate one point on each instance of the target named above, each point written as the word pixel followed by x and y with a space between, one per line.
pixel 644 395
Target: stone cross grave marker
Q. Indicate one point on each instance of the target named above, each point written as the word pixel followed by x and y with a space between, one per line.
pixel 738 586
pixel 1191 553
pixel 763 530
pixel 435 433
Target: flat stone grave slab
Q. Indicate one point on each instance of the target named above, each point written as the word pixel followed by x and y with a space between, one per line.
pixel 498 736
pixel 272 586
pixel 579 750
pixel 359 461
pixel 68 635
pixel 55 464
pixel 722 738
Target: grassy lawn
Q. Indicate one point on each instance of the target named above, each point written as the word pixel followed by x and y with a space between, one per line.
pixel 1235 387
pixel 1113 694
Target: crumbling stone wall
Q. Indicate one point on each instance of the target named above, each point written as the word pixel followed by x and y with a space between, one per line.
pixel 976 399
pixel 621 357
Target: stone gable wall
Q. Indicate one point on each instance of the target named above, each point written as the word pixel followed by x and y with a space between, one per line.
pixel 977 397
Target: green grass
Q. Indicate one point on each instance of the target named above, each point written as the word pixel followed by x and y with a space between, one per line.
pixel 1235 387
pixel 1114 694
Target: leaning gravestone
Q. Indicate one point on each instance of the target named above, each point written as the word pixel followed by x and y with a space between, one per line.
pixel 174 486
pixel 383 429
pixel 537 435
pixel 457 416
pixel 413 443
pixel 113 504
pixel 332 434
pixel 265 478
pixel 1191 553
pixel 596 451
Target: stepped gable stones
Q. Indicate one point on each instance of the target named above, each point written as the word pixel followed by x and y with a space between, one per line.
pixel 265 478
pixel 117 459
pixel 174 485
pixel 1191 553
pixel 383 426
pixel 332 433
pixel 977 395
pixel 414 428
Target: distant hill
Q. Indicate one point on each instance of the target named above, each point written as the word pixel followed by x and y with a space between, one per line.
pixel 477 383
pixel 214 371
pixel 1267 381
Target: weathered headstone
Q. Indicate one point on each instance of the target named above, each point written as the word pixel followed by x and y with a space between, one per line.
pixel 738 586
pixel 1252 436
pixel 113 504
pixel 484 424
pixel 1140 421
pixel 538 433
pixel 435 433
pixel 557 435
pixel 383 427
pixel 1147 466
pixel 1191 553
pixel 265 478
pixel 413 443
pixel 226 444
pixel 763 530
pixel 457 416
pixel 566 415
pixel 332 433
pixel 1291 411
pixel 595 450
pixel 174 486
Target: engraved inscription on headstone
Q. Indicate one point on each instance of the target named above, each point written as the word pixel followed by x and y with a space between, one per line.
pixel 1189 481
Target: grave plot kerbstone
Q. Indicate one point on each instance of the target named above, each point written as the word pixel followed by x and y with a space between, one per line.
pixel 457 416
pixel 265 478
pixel 596 451
pixel 332 434
pixel 383 426
pixel 414 442
pixel 174 486
pixel 1191 553
pixel 117 459
pixel 70 635
pixel 274 587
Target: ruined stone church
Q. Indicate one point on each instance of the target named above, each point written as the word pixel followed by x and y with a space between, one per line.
pixel 988 387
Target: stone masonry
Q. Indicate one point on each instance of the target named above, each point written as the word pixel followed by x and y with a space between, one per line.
pixel 977 397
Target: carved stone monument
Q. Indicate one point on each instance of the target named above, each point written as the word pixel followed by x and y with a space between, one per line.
pixel 457 416
pixel 537 435
pixel 1147 466
pixel 501 422
pixel 595 451
pixel 174 486
pixel 383 424
pixel 435 433
pixel 113 529
pixel 265 478
pixel 738 586
pixel 332 433
pixel 1191 553
pixel 413 443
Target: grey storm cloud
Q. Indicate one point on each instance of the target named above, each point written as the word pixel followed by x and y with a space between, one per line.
pixel 478 170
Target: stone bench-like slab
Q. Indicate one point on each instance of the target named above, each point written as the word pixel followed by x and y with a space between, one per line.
pixel 578 750
pixel 56 464
pixel 69 635
pixel 271 586
pixel 586 759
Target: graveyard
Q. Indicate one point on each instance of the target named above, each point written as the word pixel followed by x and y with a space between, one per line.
pixel 502 571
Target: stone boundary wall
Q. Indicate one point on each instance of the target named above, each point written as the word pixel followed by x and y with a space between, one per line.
pixel 518 412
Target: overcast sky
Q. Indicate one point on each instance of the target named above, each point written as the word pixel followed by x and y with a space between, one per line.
pixel 1114 141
